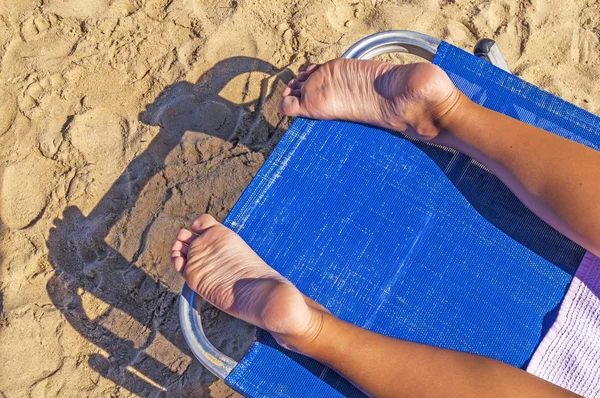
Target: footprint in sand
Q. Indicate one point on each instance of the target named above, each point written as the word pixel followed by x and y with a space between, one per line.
pixel 31 27
pixel 99 136
pixel 584 44
pixel 39 89
pixel 41 330
pixel 8 111
pixel 497 15
pixel 26 189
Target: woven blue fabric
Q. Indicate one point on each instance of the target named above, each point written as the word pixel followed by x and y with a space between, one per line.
pixel 407 239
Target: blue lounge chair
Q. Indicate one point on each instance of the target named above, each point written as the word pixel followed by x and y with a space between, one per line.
pixel 408 239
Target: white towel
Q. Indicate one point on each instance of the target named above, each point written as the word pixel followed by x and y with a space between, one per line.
pixel 569 354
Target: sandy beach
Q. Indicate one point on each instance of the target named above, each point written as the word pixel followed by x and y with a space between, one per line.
pixel 121 120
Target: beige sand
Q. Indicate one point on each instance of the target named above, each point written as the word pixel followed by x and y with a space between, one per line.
pixel 122 119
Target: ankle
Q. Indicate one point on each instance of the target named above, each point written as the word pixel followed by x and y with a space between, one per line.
pixel 303 339
pixel 439 117
pixel 450 111
pixel 425 99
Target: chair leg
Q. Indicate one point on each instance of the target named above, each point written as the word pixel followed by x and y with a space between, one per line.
pixel 488 50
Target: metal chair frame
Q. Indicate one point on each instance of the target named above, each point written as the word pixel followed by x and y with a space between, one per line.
pixel 391 41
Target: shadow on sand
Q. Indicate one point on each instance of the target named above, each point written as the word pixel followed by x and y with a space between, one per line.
pixel 143 304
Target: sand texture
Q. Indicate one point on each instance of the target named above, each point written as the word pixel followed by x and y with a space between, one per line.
pixel 120 120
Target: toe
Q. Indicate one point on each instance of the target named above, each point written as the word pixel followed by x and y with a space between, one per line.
pixel 312 67
pixel 201 223
pixel 185 236
pixel 296 92
pixel 180 246
pixel 177 245
pixel 178 260
pixel 175 254
pixel 290 106
pixel 178 263
pixel 295 83
pixel 302 76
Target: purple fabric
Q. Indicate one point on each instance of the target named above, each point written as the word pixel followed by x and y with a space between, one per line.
pixel 569 354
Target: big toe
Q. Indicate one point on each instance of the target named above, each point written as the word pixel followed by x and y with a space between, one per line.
pixel 202 223
pixel 290 105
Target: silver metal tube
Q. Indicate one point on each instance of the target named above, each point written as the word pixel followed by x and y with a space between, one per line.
pixel 488 50
pixel 212 359
pixel 497 59
pixel 403 41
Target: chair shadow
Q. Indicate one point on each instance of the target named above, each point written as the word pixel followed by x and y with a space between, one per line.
pixel 142 303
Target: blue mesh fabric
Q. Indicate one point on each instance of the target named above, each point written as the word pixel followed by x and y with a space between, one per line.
pixel 408 239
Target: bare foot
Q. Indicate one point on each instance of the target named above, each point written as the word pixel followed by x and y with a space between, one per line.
pixel 218 265
pixel 413 98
